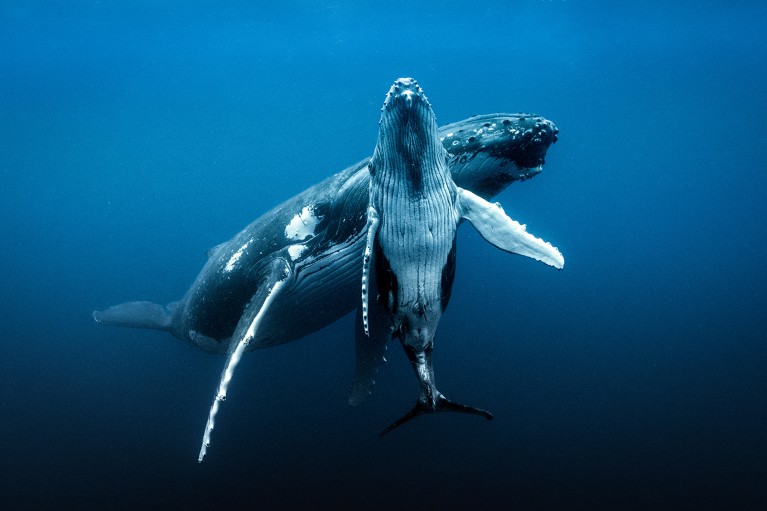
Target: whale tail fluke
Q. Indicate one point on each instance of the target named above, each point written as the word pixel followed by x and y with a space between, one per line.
pixel 138 315
pixel 442 404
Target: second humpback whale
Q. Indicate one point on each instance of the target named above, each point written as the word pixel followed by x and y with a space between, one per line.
pixel 295 269
pixel 413 215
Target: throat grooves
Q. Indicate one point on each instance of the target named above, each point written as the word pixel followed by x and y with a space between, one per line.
pixel 414 194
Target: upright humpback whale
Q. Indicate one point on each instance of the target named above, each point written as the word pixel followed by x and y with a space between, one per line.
pixel 301 259
pixel 413 214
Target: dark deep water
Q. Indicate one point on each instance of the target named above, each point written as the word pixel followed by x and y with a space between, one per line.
pixel 134 137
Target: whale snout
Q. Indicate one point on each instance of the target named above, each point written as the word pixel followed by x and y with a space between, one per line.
pixel 544 132
pixel 408 86
pixel 535 135
pixel 404 92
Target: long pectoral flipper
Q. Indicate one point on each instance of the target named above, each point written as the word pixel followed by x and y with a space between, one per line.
pixel 276 275
pixel 497 228
pixel 372 228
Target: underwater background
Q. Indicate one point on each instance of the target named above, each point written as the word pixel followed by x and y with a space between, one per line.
pixel 136 135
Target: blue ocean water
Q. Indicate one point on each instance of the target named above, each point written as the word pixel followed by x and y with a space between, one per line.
pixel 134 136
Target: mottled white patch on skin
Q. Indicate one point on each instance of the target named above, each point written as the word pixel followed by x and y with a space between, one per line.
pixel 236 256
pixel 295 251
pixel 302 225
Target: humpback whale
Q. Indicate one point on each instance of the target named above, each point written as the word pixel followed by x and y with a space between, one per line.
pixel 410 251
pixel 301 259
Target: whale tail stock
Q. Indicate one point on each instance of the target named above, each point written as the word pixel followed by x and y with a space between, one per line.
pixel 138 315
pixel 431 399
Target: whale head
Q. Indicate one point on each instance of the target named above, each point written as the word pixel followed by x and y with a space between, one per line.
pixel 489 152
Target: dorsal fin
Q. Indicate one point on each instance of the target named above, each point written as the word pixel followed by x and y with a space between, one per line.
pixel 212 250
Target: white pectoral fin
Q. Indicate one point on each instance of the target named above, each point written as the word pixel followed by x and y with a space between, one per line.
pixel 274 280
pixel 372 227
pixel 497 228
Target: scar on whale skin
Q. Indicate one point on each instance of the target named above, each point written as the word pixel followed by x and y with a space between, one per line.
pixel 236 256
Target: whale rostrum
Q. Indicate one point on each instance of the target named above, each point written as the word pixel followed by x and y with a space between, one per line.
pixel 295 269
pixel 410 252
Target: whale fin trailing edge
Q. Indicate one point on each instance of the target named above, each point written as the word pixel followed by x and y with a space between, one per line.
pixel 278 273
pixel 498 229
pixel 138 315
